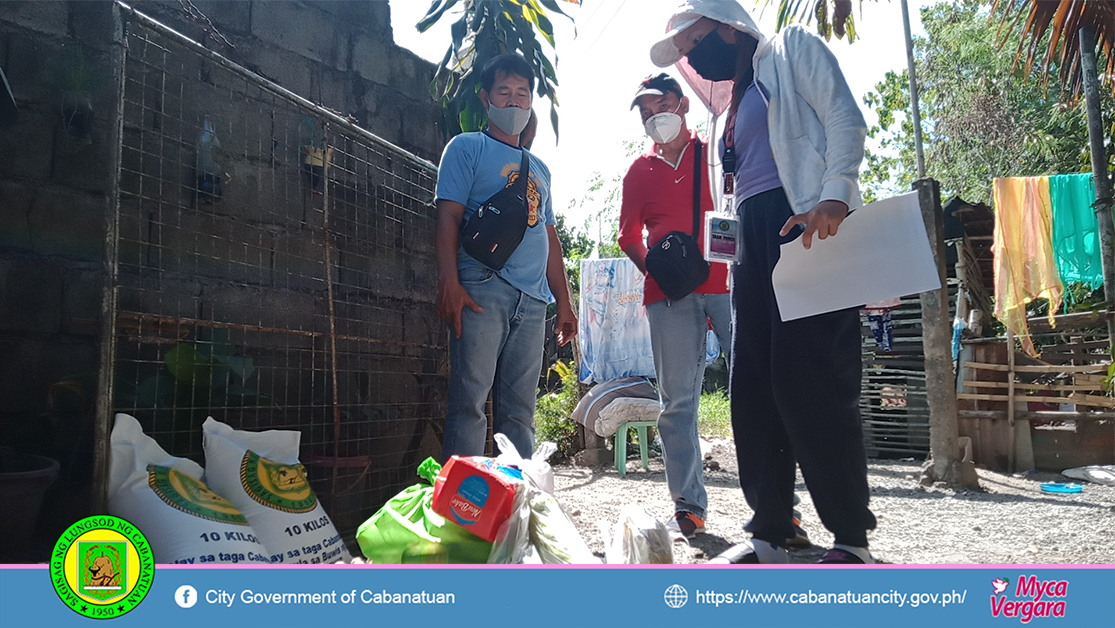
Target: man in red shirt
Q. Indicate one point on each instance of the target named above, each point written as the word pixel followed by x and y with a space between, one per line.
pixel 658 197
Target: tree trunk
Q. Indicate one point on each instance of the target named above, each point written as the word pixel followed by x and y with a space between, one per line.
pixel 1099 162
pixel 945 464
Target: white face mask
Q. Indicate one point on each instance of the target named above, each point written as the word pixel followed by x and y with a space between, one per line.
pixel 663 127
pixel 510 120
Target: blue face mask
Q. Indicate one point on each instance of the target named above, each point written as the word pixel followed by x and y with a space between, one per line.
pixel 713 58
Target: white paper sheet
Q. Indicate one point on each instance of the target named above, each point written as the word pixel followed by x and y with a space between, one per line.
pixel 880 251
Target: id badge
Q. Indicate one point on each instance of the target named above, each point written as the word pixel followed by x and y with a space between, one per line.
pixel 722 241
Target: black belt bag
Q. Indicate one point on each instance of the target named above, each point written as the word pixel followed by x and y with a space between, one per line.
pixel 493 233
pixel 676 262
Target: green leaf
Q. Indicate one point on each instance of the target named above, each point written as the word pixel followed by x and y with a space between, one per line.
pixel 792 12
pixel 241 366
pixel 552 6
pixel 554 122
pixel 434 14
pixel 156 391
pixel 239 396
pixel 541 23
pixel 478 15
pixel 548 71
pixel 458 30
pixel 189 367
pixel 781 18
pixel 488 28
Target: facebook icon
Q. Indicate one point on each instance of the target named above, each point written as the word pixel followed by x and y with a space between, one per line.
pixel 185 596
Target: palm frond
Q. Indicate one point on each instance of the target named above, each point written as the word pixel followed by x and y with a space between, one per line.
pixel 835 19
pixel 1051 32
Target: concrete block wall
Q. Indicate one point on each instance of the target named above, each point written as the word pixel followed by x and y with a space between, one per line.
pixel 55 198
pixel 341 56
pixel 54 195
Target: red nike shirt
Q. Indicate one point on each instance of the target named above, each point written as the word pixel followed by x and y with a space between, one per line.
pixel 659 197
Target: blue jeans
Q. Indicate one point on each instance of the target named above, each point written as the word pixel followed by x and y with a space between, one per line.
pixel 678 333
pixel 500 350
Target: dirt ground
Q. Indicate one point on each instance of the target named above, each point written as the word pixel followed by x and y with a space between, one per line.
pixel 1010 521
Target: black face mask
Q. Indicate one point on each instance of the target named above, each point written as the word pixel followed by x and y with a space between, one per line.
pixel 713 58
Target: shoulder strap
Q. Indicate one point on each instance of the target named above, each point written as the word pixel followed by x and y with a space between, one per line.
pixel 697 189
pixel 524 172
pixel 524 167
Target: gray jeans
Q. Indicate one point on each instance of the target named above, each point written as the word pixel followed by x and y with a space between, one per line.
pixel 678 333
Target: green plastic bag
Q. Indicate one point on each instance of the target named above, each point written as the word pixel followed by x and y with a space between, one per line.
pixel 407 530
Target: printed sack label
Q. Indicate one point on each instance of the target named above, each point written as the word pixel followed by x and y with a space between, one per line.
pixel 183 519
pixel 260 474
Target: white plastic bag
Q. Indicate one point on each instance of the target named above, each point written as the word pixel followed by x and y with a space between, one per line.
pixel 639 539
pixel 536 466
pixel 539 532
pixel 553 534
pixel 512 543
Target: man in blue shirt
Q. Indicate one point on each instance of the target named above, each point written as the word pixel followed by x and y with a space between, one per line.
pixel 497 317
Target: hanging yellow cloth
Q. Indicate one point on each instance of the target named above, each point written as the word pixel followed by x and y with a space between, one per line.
pixel 1025 267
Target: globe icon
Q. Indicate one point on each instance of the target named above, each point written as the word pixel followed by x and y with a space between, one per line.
pixel 676 596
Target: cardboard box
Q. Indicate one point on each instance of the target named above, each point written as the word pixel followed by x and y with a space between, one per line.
pixel 476 493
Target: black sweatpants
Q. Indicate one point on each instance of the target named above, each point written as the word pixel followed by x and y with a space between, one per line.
pixel 794 395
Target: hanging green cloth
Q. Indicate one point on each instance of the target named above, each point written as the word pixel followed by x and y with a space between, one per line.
pixel 1075 235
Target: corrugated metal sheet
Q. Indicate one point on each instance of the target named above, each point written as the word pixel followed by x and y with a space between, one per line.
pixel 893 395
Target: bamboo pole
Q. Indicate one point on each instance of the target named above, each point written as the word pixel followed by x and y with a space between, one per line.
pixel 1041 368
pixel 103 419
pixel 1040 415
pixel 1075 399
pixel 1045 387
pixel 915 113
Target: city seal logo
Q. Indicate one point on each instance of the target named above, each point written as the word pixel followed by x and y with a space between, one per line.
pixel 102 567
pixel 189 495
pixel 279 486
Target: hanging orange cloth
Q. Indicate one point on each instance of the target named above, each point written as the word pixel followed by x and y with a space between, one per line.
pixel 1025 267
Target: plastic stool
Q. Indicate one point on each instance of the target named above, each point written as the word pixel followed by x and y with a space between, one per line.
pixel 621 444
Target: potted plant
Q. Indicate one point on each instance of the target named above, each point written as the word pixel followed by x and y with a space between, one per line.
pixel 24 480
pixel 195 379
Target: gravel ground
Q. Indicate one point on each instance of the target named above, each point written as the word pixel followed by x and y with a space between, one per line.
pixel 1009 521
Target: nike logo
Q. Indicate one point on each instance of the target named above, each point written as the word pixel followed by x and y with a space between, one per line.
pixel 678 180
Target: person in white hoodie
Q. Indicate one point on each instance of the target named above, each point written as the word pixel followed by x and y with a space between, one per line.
pixel 790 155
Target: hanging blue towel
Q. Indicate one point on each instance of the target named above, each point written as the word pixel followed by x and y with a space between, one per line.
pixel 958 327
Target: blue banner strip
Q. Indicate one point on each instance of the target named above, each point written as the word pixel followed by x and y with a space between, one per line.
pixel 459 597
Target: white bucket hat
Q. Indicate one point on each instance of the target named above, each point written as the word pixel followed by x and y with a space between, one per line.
pixel 665 52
